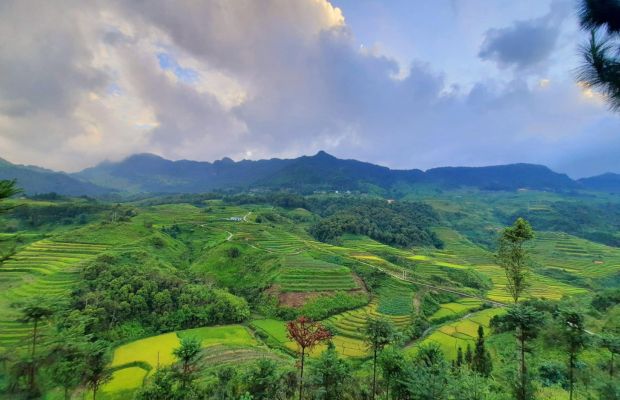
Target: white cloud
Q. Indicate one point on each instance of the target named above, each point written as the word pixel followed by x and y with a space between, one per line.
pixel 80 82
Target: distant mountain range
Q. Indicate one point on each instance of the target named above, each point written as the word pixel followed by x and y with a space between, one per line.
pixel 148 173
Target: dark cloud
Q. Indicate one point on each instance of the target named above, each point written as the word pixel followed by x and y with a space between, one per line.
pixel 527 43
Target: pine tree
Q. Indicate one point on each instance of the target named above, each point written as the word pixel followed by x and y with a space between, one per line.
pixel 468 355
pixel 481 361
pixel 459 357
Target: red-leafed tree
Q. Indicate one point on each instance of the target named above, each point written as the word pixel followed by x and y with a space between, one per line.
pixel 307 334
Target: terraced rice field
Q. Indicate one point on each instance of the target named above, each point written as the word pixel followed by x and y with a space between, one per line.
pixel 280 242
pixel 457 334
pixel 351 324
pixel 345 345
pixel 223 344
pixel 395 298
pixel 575 255
pixel 456 308
pixel 44 268
pixel 305 274
pixel 541 286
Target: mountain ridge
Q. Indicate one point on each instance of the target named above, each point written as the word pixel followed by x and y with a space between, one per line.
pixel 151 173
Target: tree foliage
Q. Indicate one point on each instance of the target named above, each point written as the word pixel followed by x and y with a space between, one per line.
pixel 601 63
pixel 512 256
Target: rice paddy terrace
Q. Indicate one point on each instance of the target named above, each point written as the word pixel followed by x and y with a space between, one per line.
pixel 44 268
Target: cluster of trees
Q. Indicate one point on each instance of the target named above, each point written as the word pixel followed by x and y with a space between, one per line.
pixel 134 290
pixel 400 224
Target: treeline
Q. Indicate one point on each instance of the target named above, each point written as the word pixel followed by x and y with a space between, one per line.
pixel 400 224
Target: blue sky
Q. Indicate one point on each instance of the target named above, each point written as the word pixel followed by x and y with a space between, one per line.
pixel 407 84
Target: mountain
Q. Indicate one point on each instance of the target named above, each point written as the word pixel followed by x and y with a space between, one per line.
pixel 154 174
pixel 151 173
pixel 608 182
pixel 326 172
pixel 33 180
pixel 502 177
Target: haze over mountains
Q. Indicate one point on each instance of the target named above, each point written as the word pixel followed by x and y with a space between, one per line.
pixel 154 174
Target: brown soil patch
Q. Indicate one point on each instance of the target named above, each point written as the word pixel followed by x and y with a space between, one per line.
pixel 598 262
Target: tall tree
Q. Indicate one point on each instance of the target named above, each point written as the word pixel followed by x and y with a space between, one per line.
pixel 331 373
pixel 574 339
pixel 612 343
pixel 526 322
pixel 189 355
pixel 481 361
pixel 468 356
pixel 379 332
pixel 97 372
pixel 513 257
pixel 392 363
pixel 601 60
pixel 307 334
pixel 35 313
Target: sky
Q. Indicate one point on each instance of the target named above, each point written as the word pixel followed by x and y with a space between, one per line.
pixel 401 83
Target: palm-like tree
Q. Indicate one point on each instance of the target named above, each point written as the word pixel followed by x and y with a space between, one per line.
pixel 601 67
pixel 35 313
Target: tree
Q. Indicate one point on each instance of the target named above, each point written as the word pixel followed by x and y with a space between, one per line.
pixel 525 321
pixel 601 62
pixel 459 357
pixel 379 332
pixel 612 343
pixel 468 356
pixel 428 378
pixel 481 361
pixel 513 257
pixel 264 381
pixel 331 373
pixel 189 355
pixel 35 313
pixel 307 334
pixel 97 372
pixel 574 338
pixel 8 189
pixel 67 362
pixel 392 364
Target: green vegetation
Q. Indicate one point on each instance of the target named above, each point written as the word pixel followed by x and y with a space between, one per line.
pixel 190 296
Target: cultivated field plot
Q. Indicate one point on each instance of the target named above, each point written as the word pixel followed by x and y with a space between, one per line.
pixel 276 330
pixel 459 333
pixel 305 274
pixel 574 255
pixel 44 268
pixel 541 286
pixel 223 344
pixel 456 308
pixel 279 242
pixel 351 324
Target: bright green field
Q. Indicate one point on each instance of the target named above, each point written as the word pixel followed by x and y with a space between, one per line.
pixel 223 343
pixel 459 333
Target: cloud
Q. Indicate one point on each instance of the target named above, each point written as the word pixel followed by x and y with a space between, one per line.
pixel 203 80
pixel 525 44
